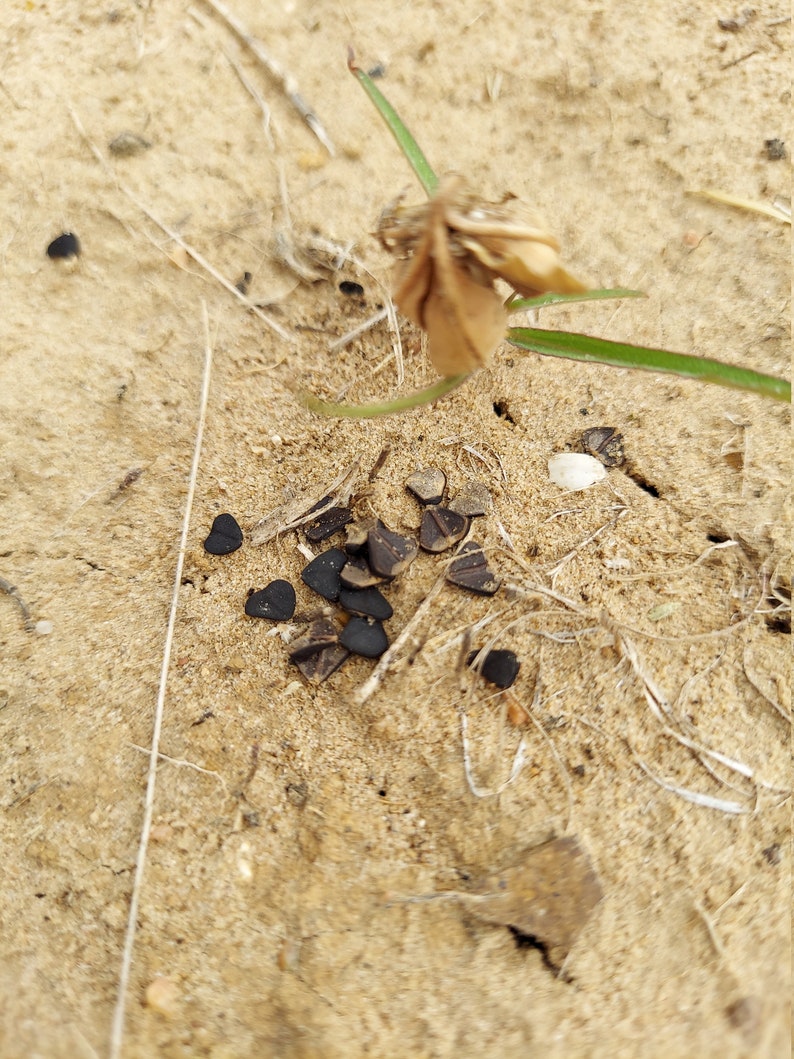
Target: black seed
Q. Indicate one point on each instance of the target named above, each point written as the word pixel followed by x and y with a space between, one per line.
pixel 356 574
pixel 347 286
pixel 320 635
pixel 367 602
pixel 66 245
pixel 389 552
pixel 365 638
pixel 225 536
pixel 327 524
pixel 322 573
pixel 472 500
pixel 320 666
pixel 605 443
pixel 441 528
pixel 427 485
pixel 276 602
pixel 470 570
pixel 499 667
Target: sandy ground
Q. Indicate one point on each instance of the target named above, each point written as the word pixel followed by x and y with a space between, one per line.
pixel 294 827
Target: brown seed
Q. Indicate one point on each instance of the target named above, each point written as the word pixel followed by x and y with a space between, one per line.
pixel 605 443
pixel 427 485
pixel 320 634
pixel 356 535
pixel 473 499
pixel 318 667
pixel 327 523
pixel 389 552
pixel 470 570
pixel 441 529
pixel 357 574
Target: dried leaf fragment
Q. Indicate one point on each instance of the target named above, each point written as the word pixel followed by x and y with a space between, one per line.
pixel 452 249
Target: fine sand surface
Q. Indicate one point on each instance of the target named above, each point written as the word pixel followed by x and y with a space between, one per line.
pixel 298 832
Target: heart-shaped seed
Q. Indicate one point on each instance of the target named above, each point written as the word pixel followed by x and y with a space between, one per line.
pixel 366 602
pixel 470 570
pixel 322 573
pixel 499 667
pixel 276 602
pixel 441 528
pixel 364 637
pixel 225 536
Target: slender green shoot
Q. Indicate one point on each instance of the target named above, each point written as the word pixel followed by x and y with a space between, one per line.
pixel 383 408
pixel 516 304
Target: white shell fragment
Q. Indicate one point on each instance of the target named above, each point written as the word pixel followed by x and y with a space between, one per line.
pixel 575 470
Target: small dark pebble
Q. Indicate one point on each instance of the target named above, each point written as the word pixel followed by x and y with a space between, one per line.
pixel 427 485
pixel 470 570
pixel 356 574
pixel 66 245
pixel 320 635
pixel 364 637
pixel 473 499
pixel 348 286
pixel 276 602
pixel 499 667
pixel 605 443
pixel 441 528
pixel 327 524
pixel 322 573
pixel 225 536
pixel 366 602
pixel 389 552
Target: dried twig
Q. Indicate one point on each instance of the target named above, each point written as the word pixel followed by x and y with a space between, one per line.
pixel 285 79
pixel 117 1029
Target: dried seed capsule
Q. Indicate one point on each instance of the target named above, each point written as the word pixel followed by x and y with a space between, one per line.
pixel 389 553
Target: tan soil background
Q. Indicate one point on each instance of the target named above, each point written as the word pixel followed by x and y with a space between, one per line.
pixel 276 896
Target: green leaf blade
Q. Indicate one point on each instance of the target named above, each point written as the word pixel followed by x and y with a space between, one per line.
pixel 573 346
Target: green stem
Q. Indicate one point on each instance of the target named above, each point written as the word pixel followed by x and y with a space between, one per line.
pixel 382 408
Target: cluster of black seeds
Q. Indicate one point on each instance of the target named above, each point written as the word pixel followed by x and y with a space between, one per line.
pixel 371 557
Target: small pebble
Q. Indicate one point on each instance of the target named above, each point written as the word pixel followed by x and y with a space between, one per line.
pixel 276 602
pixel 127 144
pixel 473 499
pixel 441 529
pixel 427 485
pixel 364 637
pixel 470 570
pixel 225 536
pixel 367 602
pixel 575 471
pixel 389 552
pixel 322 573
pixel 499 667
pixel 65 245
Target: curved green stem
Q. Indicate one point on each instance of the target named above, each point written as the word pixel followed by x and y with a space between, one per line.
pixel 382 408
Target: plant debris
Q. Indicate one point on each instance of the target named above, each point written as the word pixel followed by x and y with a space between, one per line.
pixel 546 899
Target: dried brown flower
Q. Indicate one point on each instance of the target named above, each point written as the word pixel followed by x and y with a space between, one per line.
pixel 452 248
